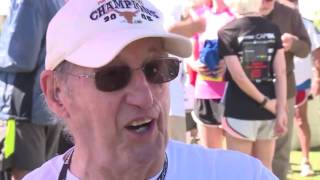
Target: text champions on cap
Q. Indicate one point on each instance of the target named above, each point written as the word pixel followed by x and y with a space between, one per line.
pixel 128 9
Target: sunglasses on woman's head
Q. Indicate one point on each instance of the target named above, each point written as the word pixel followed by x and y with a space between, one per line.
pixel 157 71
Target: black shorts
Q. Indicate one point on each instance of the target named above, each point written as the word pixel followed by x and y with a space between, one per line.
pixel 208 111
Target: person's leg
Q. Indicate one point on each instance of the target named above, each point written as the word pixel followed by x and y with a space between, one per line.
pixel 280 163
pixel 5 175
pixel 240 134
pixel 29 149
pixel 177 128
pixel 210 137
pixel 194 135
pixel 192 131
pixel 304 135
pixel 303 128
pixel 237 144
pixel 207 114
pixel 264 151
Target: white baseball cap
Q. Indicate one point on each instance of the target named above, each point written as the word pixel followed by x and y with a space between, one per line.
pixel 90 33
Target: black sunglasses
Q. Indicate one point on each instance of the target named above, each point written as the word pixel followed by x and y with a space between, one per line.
pixel 157 71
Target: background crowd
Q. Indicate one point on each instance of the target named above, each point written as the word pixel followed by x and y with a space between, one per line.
pixel 227 99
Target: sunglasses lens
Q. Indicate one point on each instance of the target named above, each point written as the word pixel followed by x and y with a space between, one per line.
pixel 113 79
pixel 161 71
pixel 156 71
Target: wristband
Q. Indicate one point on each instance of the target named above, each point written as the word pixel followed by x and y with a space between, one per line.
pixel 264 102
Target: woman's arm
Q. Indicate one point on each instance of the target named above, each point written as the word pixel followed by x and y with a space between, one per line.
pixel 240 77
pixel 279 68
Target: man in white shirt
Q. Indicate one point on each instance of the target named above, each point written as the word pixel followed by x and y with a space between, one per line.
pixel 108 82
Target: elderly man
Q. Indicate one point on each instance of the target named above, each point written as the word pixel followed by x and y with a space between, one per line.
pixel 107 69
pixel 31 136
pixel 295 42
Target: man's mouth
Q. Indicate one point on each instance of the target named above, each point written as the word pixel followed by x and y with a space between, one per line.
pixel 140 126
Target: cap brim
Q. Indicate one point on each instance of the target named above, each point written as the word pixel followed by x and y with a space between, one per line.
pixel 104 47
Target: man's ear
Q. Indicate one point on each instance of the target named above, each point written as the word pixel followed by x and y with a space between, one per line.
pixel 51 90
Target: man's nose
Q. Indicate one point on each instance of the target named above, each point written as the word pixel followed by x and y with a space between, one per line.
pixel 139 91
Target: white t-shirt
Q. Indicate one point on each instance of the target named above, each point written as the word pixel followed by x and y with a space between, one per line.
pixel 185 162
pixel 303 66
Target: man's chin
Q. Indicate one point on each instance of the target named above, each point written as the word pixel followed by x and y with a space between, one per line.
pixel 147 151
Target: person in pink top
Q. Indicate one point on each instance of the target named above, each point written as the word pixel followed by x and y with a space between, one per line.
pixel 209 86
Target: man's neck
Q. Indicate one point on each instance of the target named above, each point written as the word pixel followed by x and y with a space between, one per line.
pixel 93 165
